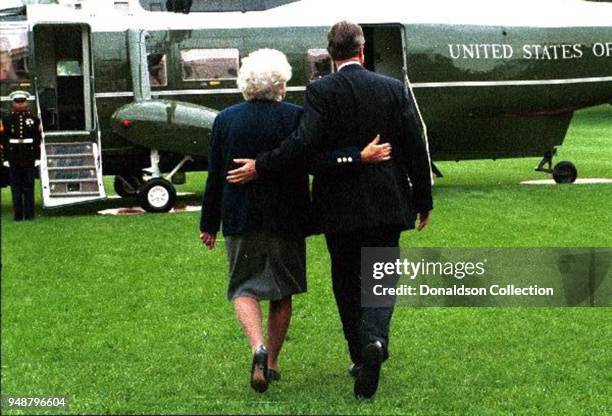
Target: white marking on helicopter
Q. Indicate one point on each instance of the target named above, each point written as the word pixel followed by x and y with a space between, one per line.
pixel 511 83
pixel 120 94
pixel 185 92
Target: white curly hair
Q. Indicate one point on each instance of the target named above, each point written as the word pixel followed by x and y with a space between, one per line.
pixel 264 75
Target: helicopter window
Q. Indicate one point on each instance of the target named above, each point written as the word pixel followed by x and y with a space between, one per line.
pixel 14 55
pixel 156 7
pixel 209 64
pixel 318 64
pixel 69 68
pixel 158 72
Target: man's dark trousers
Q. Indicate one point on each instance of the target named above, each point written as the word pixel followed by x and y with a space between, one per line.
pixel 22 189
pixel 361 325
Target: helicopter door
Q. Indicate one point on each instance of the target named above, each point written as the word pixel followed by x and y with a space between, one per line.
pixel 63 67
pixel 384 50
pixel 385 54
pixel 71 162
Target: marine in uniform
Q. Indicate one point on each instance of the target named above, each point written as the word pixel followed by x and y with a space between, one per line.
pixel 21 133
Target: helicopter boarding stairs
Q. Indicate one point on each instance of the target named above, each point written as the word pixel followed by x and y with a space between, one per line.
pixel 71 167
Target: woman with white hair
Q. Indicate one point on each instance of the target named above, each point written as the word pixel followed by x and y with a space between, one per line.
pixel 265 223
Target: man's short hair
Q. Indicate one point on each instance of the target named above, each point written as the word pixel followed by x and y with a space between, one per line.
pixel 344 40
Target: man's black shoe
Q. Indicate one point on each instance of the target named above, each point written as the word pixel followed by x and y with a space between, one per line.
pixel 354 370
pixel 366 382
pixel 259 370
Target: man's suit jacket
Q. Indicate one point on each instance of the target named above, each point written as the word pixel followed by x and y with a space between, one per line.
pixel 345 110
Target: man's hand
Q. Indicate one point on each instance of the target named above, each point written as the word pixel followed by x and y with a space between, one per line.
pixel 424 220
pixel 243 175
pixel 376 152
pixel 209 240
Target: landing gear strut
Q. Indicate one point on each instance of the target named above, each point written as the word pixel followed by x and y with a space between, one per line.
pixel 127 186
pixel 157 193
pixel 563 172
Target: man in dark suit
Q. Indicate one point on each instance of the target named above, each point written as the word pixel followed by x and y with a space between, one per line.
pixel 369 205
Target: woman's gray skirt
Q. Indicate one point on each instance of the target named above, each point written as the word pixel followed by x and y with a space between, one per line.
pixel 265 266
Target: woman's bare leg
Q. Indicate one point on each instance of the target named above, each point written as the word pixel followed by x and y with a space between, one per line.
pixel 248 312
pixel 278 324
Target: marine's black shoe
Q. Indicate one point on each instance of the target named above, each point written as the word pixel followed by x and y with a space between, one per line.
pixel 259 370
pixel 354 370
pixel 366 382
pixel 273 375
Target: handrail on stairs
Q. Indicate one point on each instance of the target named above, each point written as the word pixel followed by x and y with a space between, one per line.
pixel 39 111
pixel 96 121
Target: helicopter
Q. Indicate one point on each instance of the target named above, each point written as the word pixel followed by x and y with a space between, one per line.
pixel 133 93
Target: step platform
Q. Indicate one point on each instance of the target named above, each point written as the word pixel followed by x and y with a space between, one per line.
pixel 71 173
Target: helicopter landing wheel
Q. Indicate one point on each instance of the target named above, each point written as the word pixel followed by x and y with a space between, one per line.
pixel 565 172
pixel 157 195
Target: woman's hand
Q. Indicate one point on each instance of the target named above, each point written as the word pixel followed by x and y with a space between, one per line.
pixel 209 240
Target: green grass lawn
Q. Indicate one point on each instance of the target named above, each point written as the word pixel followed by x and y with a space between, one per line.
pixel 128 315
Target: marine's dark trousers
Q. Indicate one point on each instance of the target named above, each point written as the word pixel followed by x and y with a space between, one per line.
pixel 361 325
pixel 22 189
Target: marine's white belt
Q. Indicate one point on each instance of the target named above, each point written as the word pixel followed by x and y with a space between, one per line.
pixel 21 141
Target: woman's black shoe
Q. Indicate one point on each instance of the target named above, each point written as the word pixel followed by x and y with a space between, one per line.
pixel 259 370
pixel 273 375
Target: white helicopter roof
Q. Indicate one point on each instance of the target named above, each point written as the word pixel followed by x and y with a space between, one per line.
pixel 11 3
pixel 304 13
pixel 473 12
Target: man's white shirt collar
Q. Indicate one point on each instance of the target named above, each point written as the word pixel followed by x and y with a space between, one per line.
pixel 347 64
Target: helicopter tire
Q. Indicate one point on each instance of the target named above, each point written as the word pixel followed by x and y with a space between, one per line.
pixel 565 172
pixel 157 195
